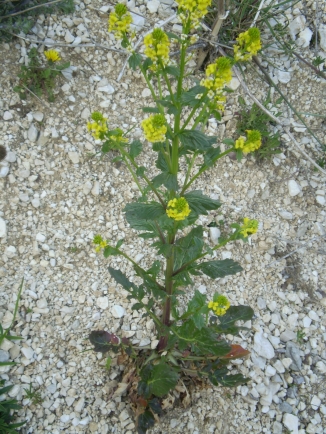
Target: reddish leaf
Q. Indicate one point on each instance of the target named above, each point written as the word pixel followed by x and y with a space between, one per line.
pixel 141 401
pixel 236 353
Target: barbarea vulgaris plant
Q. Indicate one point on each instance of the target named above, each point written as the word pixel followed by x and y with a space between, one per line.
pixel 189 334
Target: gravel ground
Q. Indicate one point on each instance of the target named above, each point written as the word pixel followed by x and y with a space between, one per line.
pixel 56 195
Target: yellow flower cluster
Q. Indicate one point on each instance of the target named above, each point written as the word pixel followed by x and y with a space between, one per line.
pixel 99 126
pixel 191 11
pixel 220 305
pixel 218 75
pixel 52 55
pixel 248 45
pixel 100 243
pixel 119 21
pixel 157 47
pixel 249 144
pixel 154 128
pixel 249 227
pixel 178 209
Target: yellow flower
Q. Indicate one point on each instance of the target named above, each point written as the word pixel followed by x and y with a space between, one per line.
pixel 154 128
pixel 249 227
pixel 219 305
pixel 100 243
pixel 157 47
pixel 178 209
pixel 52 55
pixel 251 144
pixel 191 11
pixel 218 75
pixel 99 126
pixel 119 21
pixel 248 45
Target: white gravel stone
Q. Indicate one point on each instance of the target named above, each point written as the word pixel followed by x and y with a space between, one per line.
pixel 32 133
pixel 74 157
pixel 106 89
pixel 65 418
pixel 313 315
pixel 7 116
pixel 291 422
pixel 153 6
pixel 3 228
pixel 322 34
pixel 286 215
pixel 86 113
pixel 278 365
pixel 321 200
pixel 40 237
pixel 38 116
pixel 102 302
pixel 306 321
pixel 297 25
pixel 304 38
pixel 28 352
pixel 146 93
pixel 69 37
pixel 4 170
pixel 215 234
pixel 294 188
pixel 11 157
pixel 315 402
pixel 263 347
pixel 96 189
pixel 118 311
pixel 11 251
pixel 79 405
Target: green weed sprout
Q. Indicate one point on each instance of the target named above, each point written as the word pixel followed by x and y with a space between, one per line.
pixel 38 79
pixel 190 338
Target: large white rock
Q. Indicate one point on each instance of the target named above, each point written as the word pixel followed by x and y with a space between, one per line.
pixel 32 133
pixel 291 422
pixel 153 6
pixel 215 234
pixel 138 22
pixel 118 311
pixel 322 34
pixel 107 89
pixel 296 26
pixel 74 157
pixel 294 187
pixel 102 302
pixel 304 38
pixel 3 228
pixel 263 347
pixel 7 116
pixel 282 76
pixel 86 113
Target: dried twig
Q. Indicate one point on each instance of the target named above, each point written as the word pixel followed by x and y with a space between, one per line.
pixel 257 13
pixel 294 251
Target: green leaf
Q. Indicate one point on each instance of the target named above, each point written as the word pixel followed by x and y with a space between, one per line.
pixel 235 313
pixel 217 115
pixel 110 251
pixel 167 179
pixel 210 156
pixel 197 308
pixel 103 341
pixel 147 63
pixel 143 211
pixel 189 97
pixel 145 421
pixel 229 142
pixel 194 140
pixel 219 268
pixel 137 306
pixel 200 203
pixel 220 378
pixel 239 154
pixel 163 379
pixel 119 243
pixel 140 171
pixel 161 162
pixel 172 70
pixel 134 61
pixel 174 36
pixel 189 247
pixel 8 363
pixel 155 406
pixel 203 341
pixel 135 148
pixel 120 278
pixel 150 110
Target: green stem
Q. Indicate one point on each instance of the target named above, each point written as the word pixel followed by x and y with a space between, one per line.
pixel 190 166
pixel 133 174
pixel 203 168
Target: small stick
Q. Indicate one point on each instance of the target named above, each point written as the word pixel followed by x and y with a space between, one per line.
pixel 258 12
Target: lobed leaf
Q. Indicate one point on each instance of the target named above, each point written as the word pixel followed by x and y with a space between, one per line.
pixel 219 268
pixel 199 203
